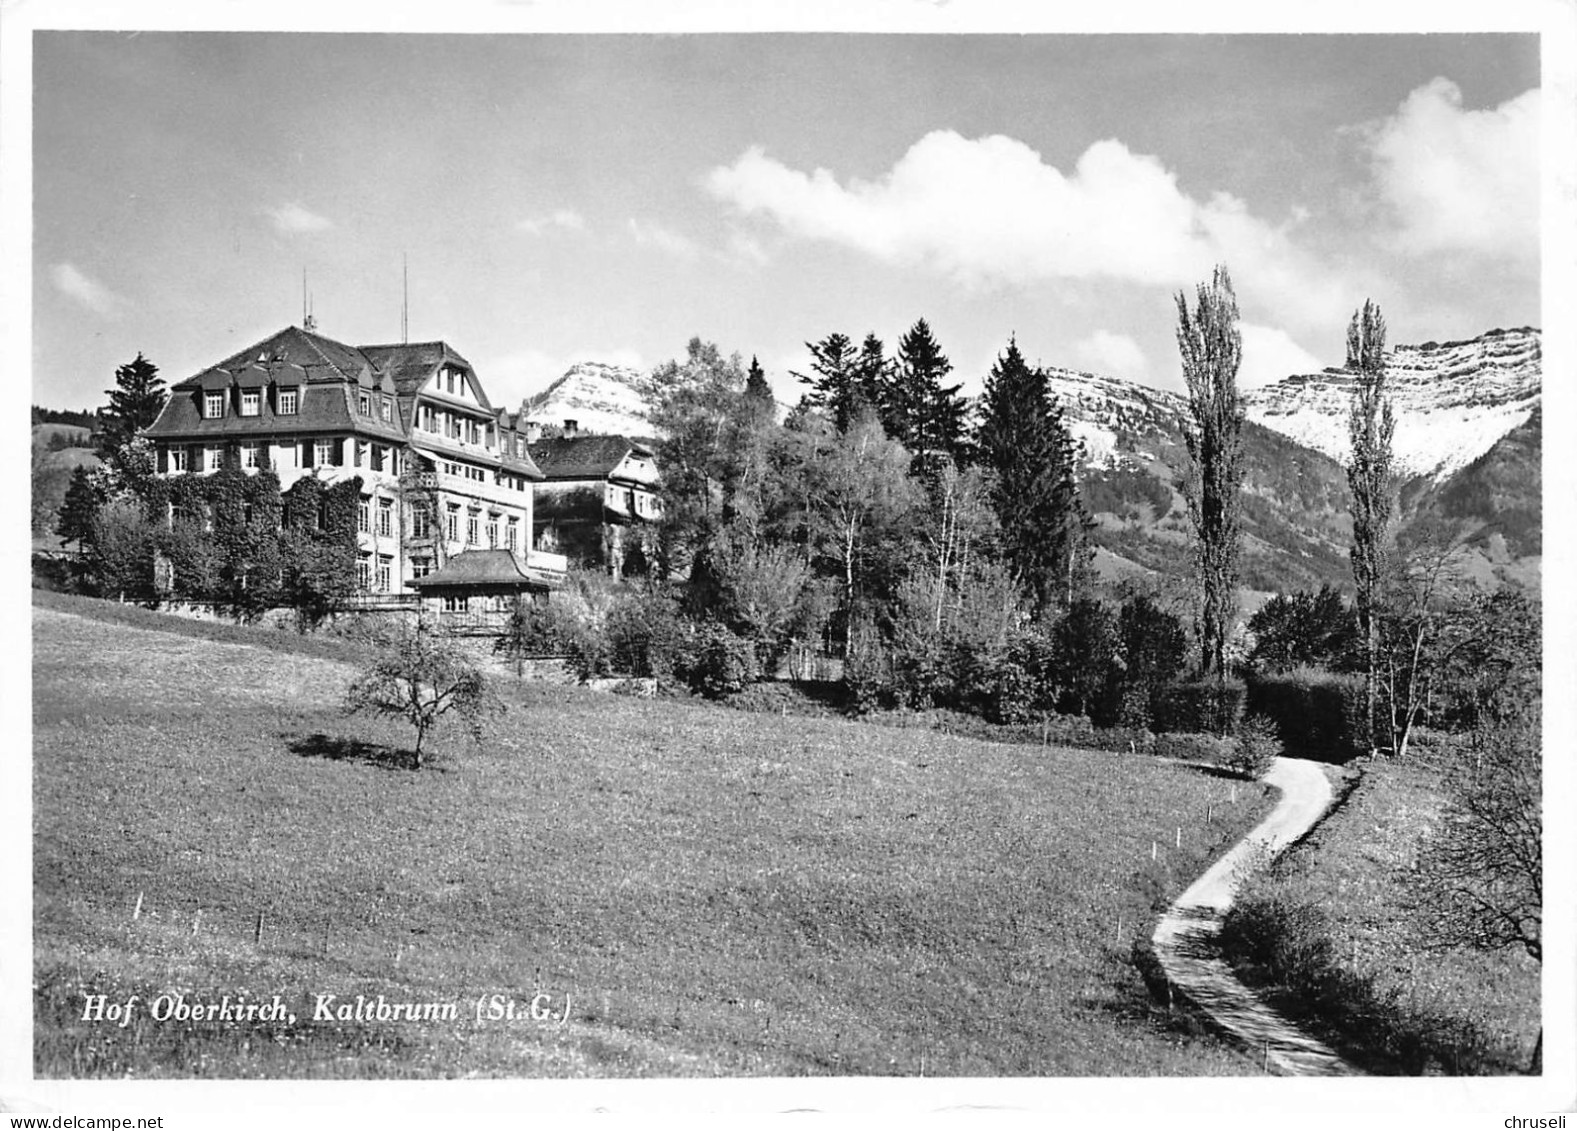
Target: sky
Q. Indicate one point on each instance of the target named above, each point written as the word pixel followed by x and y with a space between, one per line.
pixel 607 197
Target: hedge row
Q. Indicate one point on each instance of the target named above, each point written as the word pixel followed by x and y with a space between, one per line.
pixel 1202 707
pixel 1318 714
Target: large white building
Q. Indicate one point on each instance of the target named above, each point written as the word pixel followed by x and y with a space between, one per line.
pixel 442 470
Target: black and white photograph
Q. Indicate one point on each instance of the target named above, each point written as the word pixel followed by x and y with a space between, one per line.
pixel 910 558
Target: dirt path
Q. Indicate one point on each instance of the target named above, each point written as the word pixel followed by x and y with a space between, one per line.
pixel 1185 939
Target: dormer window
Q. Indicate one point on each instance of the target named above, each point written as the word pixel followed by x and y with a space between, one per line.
pixel 388 410
pixel 213 405
pixel 364 404
pixel 288 400
pixel 251 402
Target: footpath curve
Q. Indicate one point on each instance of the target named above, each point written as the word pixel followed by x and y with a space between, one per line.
pixel 1185 938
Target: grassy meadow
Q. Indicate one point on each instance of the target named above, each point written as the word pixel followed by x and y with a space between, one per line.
pixel 1382 1002
pixel 696 890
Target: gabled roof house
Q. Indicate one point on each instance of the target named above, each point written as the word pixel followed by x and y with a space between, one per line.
pixel 599 499
pixel 442 470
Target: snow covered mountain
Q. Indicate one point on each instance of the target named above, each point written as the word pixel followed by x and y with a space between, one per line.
pixel 601 399
pixel 1453 401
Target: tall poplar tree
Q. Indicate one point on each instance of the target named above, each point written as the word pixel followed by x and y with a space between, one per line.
pixel 1370 427
pixel 1024 441
pixel 1212 347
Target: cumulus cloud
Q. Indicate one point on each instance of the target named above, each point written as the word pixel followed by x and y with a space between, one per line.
pixel 292 219
pixel 1115 354
pixel 649 234
pixel 562 219
pixel 1460 180
pixel 989 211
pixel 89 292
pixel 1269 354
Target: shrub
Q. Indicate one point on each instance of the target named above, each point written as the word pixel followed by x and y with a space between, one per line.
pixel 647 636
pixel 1154 646
pixel 1205 706
pixel 1208 748
pixel 1002 683
pixel 1318 714
pixel 725 663
pixel 1254 748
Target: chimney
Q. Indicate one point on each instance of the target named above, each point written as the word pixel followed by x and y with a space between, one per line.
pixel 571 429
pixel 533 431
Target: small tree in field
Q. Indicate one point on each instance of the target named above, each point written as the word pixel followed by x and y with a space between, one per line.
pixel 422 679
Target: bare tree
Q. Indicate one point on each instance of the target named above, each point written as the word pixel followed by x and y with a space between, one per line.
pixel 1212 347
pixel 423 678
pixel 1420 595
pixel 1370 427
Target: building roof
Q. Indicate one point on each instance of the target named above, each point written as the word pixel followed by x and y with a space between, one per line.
pixel 583 457
pixel 473 569
pixel 326 371
pixel 412 364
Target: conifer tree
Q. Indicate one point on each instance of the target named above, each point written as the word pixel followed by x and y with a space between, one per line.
pixel 135 403
pixel 756 383
pixel 1370 427
pixel 1023 439
pixel 931 413
pixel 1211 347
pixel 835 387
pixel 81 507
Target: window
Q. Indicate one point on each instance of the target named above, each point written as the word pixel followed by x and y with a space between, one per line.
pixel 357 452
pixel 421 523
pixel 364 404
pixel 364 573
pixel 251 402
pixel 251 455
pixel 453 603
pixel 473 529
pixel 213 405
pixel 364 515
pixel 428 422
pixel 512 535
pixel 288 399
pixel 492 532
pixel 454 522
pixel 386 518
pixel 421 568
pixel 213 458
pixel 178 459
pixel 388 410
pixel 377 457
pixel 385 573
pixel 324 453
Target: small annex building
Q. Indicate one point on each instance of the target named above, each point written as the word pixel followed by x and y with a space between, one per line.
pixel 599 500
pixel 483 585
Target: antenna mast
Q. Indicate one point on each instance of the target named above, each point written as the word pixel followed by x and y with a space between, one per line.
pixel 405 300
pixel 308 322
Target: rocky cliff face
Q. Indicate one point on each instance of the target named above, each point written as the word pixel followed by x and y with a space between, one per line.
pixel 601 399
pixel 1453 402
